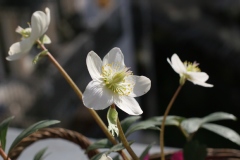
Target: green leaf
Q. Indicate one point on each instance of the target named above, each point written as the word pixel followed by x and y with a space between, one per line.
pixel 3 131
pixel 191 125
pixel 97 156
pixel 127 122
pixel 218 116
pixel 118 147
pixel 142 125
pixel 39 155
pixel 170 120
pixel 194 151
pixel 223 131
pixel 103 143
pixel 33 128
pixel 145 152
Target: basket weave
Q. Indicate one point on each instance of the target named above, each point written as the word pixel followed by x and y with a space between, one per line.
pixel 83 142
pixel 46 133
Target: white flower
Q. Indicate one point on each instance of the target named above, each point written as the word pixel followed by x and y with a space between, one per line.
pixel 189 71
pixel 104 157
pixel 114 83
pixel 39 25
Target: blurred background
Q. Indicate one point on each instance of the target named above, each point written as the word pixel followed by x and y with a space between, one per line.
pixel 148 32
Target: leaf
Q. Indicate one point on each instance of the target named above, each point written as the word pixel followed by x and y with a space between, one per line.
pixel 118 147
pixel 33 128
pixel 170 120
pixel 142 125
pixel 219 116
pixel 103 143
pixel 97 156
pixel 145 152
pixel 194 151
pixel 127 122
pixel 191 125
pixel 3 131
pixel 39 155
pixel 223 131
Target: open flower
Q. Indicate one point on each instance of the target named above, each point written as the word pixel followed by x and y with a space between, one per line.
pixel 105 157
pixel 39 25
pixel 189 71
pixel 114 83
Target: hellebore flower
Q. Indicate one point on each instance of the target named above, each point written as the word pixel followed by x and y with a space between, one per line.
pixel 104 157
pixel 39 25
pixel 189 71
pixel 114 83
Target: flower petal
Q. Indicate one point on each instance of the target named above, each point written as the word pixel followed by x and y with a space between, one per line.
pixel 114 56
pixel 39 23
pixel 96 96
pixel 128 105
pixel 19 49
pixel 142 85
pixel 177 64
pixel 94 65
pixel 199 78
pixel 105 157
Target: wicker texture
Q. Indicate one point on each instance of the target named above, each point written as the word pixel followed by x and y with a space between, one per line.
pixel 46 133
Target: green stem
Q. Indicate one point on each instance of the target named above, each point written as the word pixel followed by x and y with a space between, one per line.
pixel 79 94
pixel 164 120
pixel 124 139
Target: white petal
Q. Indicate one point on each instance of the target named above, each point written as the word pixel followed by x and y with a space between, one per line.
pixel 128 105
pixel 177 64
pixel 142 85
pixel 96 96
pixel 19 49
pixel 114 56
pixel 39 23
pixel 104 157
pixel 94 65
pixel 199 78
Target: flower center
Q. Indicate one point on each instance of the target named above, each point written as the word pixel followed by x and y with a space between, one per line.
pixel 24 32
pixel 192 67
pixel 116 78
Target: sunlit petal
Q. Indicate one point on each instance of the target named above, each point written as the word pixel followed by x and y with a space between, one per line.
pixel 96 96
pixel 128 105
pixel 19 49
pixel 177 64
pixel 94 65
pixel 142 85
pixel 114 56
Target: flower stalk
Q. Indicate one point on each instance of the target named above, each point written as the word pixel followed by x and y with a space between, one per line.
pixel 124 139
pixel 164 120
pixel 3 154
pixel 79 94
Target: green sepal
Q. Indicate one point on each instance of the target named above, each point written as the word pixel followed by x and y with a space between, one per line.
pixel 39 56
pixel 112 117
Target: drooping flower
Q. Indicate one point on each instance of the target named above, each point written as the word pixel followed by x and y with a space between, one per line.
pixel 114 83
pixel 39 25
pixel 189 71
pixel 105 157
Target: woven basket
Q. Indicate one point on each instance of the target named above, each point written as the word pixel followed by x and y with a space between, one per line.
pixel 83 142
pixel 46 133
